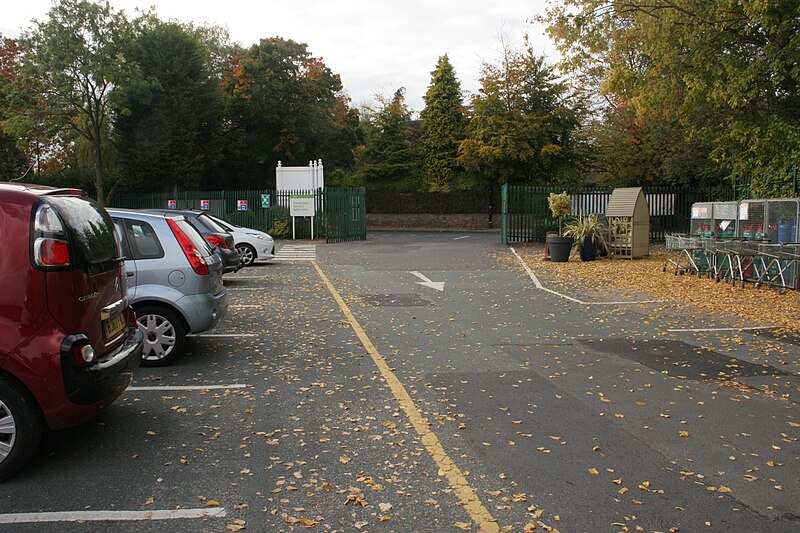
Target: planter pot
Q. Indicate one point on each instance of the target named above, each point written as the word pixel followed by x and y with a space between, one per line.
pixel 559 247
pixel 588 251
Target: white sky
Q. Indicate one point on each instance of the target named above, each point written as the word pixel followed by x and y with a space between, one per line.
pixel 376 46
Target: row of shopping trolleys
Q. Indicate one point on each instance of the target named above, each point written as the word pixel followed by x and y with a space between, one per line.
pixel 735 260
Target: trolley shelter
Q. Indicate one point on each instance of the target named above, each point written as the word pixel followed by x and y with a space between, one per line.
pixel 628 223
pixel 754 241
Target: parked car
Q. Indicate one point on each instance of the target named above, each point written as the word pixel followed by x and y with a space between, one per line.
pixel 68 338
pixel 174 280
pixel 252 244
pixel 213 233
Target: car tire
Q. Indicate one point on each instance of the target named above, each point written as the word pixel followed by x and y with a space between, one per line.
pixel 164 334
pixel 21 426
pixel 247 252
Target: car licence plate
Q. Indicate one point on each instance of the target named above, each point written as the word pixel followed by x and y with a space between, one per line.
pixel 113 325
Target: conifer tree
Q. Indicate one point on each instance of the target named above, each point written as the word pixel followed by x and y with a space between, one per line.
pixel 443 126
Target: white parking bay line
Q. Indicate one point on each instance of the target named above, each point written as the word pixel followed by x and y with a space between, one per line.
pixel 247 289
pixel 187 387
pixel 459 238
pixel 245 306
pixel 114 516
pixel 710 330
pixel 222 335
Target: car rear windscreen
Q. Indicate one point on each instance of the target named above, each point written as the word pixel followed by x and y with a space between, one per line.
pixel 91 232
pixel 212 224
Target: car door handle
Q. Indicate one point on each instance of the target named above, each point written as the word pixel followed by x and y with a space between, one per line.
pixel 130 274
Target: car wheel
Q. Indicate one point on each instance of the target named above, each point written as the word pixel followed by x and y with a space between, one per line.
pixel 247 252
pixel 164 334
pixel 21 427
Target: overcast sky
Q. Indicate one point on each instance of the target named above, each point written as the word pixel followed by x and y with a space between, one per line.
pixel 376 46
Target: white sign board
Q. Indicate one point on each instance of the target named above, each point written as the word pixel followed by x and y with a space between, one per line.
pixel 301 206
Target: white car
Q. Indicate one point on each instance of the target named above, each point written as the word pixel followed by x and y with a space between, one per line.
pixel 252 244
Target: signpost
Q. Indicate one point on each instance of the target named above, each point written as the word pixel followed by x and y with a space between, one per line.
pixel 172 204
pixel 205 205
pixel 302 205
pixel 241 205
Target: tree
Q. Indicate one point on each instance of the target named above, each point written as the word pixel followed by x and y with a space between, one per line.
pixel 389 158
pixel 523 122
pixel 719 70
pixel 73 59
pixel 12 159
pixel 168 117
pixel 283 104
pixel 443 128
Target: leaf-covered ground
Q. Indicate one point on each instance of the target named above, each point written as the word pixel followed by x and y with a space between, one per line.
pixel 757 307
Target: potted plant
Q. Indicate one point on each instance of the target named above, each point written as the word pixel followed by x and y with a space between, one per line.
pixel 559 245
pixel 588 236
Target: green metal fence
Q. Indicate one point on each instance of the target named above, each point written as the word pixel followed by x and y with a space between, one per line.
pixel 526 214
pixel 268 210
pixel 345 214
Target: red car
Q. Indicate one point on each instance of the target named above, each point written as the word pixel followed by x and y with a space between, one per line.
pixel 69 341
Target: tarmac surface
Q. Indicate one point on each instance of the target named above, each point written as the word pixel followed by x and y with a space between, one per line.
pixel 346 392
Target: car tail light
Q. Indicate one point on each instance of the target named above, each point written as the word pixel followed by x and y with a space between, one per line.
pixel 130 318
pixel 194 256
pixel 50 245
pixel 217 240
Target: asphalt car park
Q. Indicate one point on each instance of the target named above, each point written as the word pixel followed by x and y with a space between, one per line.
pixel 423 382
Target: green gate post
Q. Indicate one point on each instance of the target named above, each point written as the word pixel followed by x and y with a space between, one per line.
pixel 504 214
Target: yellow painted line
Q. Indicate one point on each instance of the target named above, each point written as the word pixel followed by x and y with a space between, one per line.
pixel 458 482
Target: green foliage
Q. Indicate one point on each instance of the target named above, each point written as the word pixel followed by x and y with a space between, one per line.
pixel 281 221
pixel 523 122
pixel 75 59
pixel 168 117
pixel 283 104
pixel 443 128
pixel 723 72
pixel 586 226
pixel 560 206
pixel 389 157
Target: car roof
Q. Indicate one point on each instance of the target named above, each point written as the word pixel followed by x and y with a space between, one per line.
pixel 142 213
pixel 39 190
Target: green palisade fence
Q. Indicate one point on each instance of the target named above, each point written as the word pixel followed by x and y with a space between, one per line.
pixel 345 210
pixel 345 214
pixel 526 213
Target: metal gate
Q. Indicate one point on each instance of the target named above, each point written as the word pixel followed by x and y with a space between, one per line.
pixel 345 214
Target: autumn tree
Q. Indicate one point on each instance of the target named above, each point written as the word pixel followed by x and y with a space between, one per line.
pixel 12 159
pixel 721 71
pixel 283 104
pixel 74 58
pixel 443 128
pixel 167 116
pixel 523 122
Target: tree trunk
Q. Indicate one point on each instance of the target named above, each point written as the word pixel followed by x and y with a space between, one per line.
pixel 98 168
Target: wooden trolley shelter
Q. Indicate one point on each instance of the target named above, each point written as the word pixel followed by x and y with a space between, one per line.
pixel 628 223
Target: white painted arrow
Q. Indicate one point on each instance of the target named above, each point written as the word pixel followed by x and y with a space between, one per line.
pixel 438 285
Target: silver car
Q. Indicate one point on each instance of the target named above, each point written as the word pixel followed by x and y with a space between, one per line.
pixel 174 280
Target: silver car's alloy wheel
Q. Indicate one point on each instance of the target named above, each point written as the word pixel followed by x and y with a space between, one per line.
pixel 248 254
pixel 8 431
pixel 159 336
pixel 164 332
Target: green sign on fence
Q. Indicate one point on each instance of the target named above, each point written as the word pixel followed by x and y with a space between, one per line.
pixel 265 201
